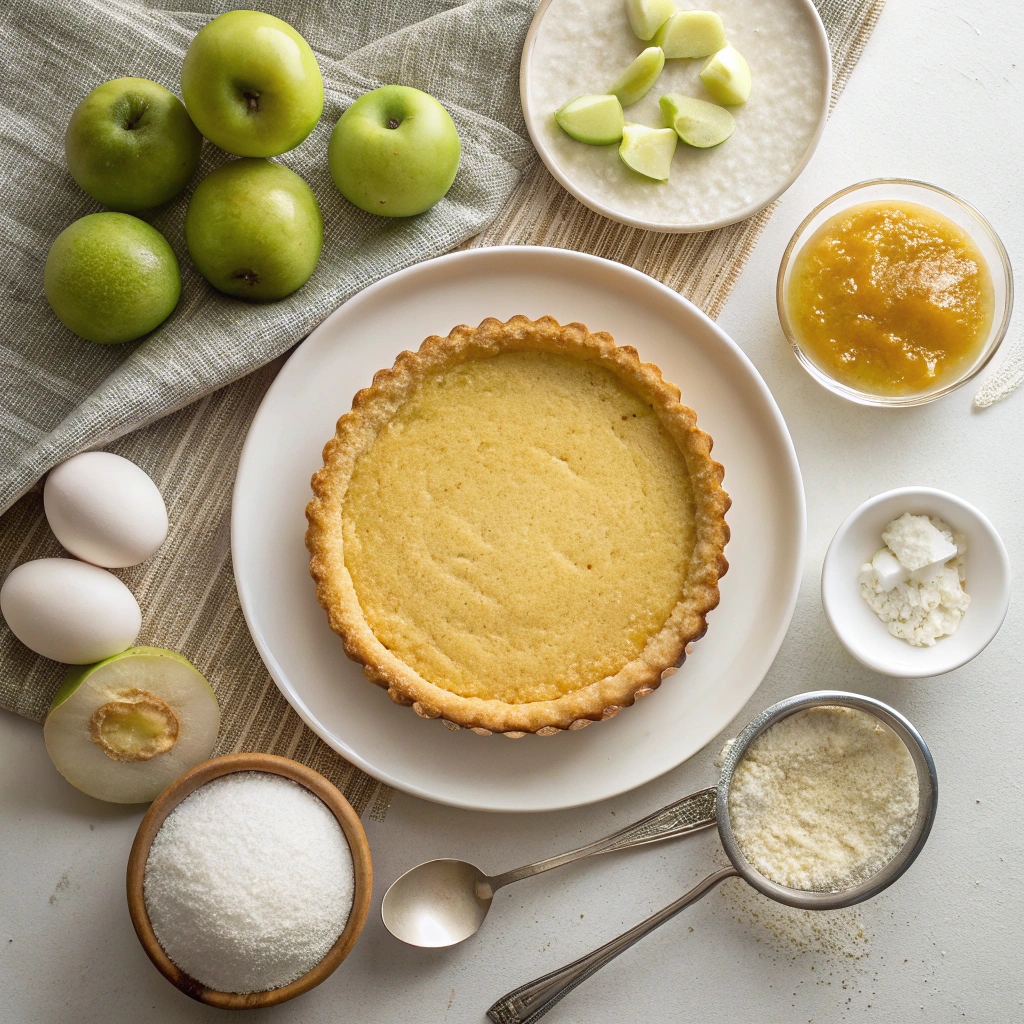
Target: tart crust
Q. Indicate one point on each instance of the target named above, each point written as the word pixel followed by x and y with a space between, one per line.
pixel 374 407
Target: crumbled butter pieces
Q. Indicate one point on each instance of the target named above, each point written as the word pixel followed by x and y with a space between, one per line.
pixel 918 545
pixel 928 601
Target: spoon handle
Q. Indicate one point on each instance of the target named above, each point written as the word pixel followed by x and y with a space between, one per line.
pixel 691 814
pixel 531 1001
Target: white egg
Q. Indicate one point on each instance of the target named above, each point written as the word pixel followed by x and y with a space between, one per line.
pixel 70 611
pixel 105 510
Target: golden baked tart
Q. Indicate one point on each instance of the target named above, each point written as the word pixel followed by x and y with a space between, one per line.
pixel 518 528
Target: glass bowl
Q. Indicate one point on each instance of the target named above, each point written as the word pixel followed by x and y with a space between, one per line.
pixel 943 202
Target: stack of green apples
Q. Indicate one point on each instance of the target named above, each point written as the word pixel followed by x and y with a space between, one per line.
pixel 252 86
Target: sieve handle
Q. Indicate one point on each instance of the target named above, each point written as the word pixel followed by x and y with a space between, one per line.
pixel 531 1001
pixel 691 814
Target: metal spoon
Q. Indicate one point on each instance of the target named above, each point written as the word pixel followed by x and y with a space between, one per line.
pixel 528 1003
pixel 442 902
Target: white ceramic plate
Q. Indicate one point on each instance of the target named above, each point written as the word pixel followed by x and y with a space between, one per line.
pixel 531 774
pixel 577 47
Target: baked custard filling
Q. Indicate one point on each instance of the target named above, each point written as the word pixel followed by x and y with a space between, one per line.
pixel 520 528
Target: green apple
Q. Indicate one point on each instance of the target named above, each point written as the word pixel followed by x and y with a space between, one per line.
pixel 394 152
pixel 691 34
pixel 254 230
pixel 125 728
pixel 635 82
pixel 647 16
pixel 697 122
pixel 111 277
pixel 648 151
pixel 727 77
pixel 131 144
pixel 596 120
pixel 252 84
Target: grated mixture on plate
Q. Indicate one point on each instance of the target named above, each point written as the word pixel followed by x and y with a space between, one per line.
pixel 823 799
pixel 582 45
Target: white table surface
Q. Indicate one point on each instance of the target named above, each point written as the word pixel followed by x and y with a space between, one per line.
pixel 938 95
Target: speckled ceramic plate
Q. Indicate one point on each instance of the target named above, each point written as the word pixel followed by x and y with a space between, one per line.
pixel 531 774
pixel 577 47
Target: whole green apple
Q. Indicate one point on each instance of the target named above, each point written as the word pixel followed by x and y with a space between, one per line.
pixel 131 144
pixel 111 277
pixel 254 230
pixel 394 152
pixel 252 84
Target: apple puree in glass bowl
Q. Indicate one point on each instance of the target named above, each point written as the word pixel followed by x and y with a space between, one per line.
pixel 891 298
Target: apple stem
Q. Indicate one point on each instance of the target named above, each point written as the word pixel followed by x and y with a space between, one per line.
pixel 253 99
pixel 137 107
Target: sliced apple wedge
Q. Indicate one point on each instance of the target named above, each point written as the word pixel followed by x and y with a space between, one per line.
pixel 635 82
pixel 595 120
pixel 123 729
pixel 691 34
pixel 647 16
pixel 697 122
pixel 727 77
pixel 648 151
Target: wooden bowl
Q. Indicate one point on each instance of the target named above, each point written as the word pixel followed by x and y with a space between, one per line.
pixel 171 797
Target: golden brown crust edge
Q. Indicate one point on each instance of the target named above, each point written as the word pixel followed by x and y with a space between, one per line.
pixel 374 406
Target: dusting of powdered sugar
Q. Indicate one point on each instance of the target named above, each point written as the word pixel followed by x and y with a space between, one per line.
pixel 823 799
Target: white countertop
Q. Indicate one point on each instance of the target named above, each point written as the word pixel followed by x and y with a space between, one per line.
pixel 938 96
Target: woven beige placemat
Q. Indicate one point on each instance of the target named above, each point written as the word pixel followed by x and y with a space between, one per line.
pixel 187 590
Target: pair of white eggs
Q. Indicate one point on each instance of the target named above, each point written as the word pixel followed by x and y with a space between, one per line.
pixel 107 512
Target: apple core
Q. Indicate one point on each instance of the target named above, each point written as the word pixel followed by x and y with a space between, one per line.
pixel 135 727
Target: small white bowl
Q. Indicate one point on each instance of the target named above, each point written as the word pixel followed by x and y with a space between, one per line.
pixel 864 635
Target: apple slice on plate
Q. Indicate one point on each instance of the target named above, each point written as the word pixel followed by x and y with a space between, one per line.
pixel 647 16
pixel 727 77
pixel 635 82
pixel 596 120
pixel 697 122
pixel 648 151
pixel 691 34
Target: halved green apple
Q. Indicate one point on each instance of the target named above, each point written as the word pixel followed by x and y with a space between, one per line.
pixel 727 77
pixel 647 16
pixel 697 122
pixel 123 729
pixel 635 82
pixel 648 151
pixel 691 34
pixel 595 120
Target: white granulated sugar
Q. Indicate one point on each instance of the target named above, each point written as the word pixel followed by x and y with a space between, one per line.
pixel 823 799
pixel 249 882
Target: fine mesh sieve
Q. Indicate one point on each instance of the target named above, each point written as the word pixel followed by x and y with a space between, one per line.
pixel 531 1001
